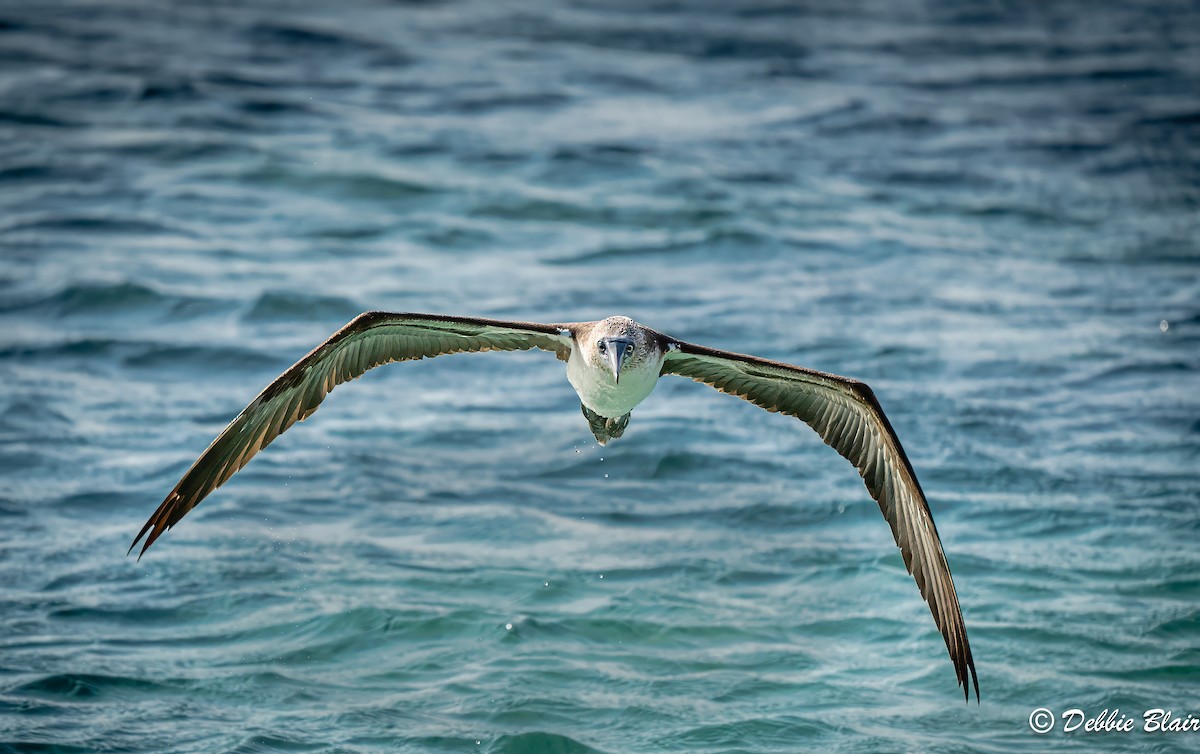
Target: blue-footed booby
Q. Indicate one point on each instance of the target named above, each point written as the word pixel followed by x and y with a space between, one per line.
pixel 613 364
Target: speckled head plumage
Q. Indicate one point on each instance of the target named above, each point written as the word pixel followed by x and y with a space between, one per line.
pixel 619 344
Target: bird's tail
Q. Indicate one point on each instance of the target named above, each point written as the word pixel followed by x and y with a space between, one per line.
pixel 602 427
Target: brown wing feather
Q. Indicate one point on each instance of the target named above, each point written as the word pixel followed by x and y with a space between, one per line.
pixel 371 339
pixel 848 417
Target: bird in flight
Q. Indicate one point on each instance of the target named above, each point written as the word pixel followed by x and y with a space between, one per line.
pixel 613 364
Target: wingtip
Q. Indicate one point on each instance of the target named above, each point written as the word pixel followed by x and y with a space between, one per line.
pixel 154 528
pixel 966 687
pixel 137 539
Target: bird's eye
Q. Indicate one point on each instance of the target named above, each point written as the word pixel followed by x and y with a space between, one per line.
pixel 629 350
pixel 601 346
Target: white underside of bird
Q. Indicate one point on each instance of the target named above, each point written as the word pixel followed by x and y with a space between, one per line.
pixel 600 391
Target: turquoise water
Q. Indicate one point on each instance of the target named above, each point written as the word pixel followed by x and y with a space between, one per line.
pixel 988 212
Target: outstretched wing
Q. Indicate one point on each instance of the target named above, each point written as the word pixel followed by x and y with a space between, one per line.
pixel 371 339
pixel 847 416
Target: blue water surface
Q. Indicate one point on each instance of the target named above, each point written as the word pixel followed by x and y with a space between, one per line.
pixel 988 211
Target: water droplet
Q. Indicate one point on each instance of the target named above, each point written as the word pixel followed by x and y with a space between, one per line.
pixel 1162 327
pixel 841 508
pixel 602 575
pixel 606 476
pixel 545 583
pixel 507 626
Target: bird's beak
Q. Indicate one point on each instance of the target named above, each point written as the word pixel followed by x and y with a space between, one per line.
pixel 614 351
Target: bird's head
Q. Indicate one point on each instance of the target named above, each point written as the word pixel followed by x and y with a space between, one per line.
pixel 617 344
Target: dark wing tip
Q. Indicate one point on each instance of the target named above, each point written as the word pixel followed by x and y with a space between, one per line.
pixel 137 539
pixel 974 679
pixel 964 665
pixel 164 518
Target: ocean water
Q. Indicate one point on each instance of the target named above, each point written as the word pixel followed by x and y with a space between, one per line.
pixel 988 211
